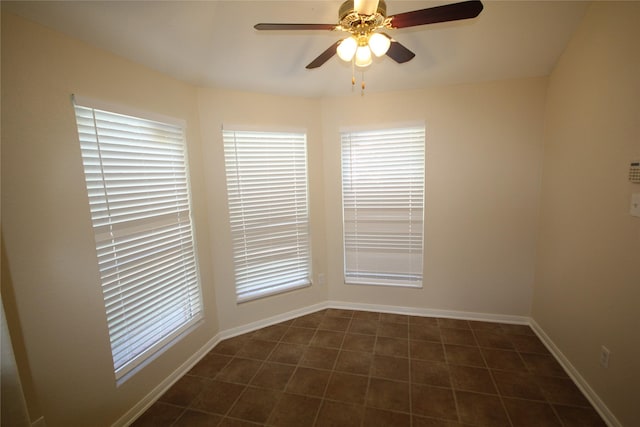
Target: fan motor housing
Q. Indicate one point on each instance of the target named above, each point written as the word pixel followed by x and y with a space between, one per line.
pixel 351 20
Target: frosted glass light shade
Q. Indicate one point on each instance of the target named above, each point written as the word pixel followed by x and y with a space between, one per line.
pixel 363 56
pixel 347 48
pixel 379 44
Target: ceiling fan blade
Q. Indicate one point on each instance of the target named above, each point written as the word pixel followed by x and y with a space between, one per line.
pixel 269 26
pixel 399 53
pixel 432 15
pixel 365 7
pixel 324 56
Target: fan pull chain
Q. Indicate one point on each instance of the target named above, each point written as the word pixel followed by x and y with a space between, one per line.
pixel 353 75
pixel 362 85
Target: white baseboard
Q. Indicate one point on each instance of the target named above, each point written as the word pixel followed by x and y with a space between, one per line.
pixel 132 414
pixel 578 379
pixel 39 423
pixel 243 329
pixel 427 312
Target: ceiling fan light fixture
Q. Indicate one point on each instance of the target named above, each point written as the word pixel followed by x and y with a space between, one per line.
pixel 363 56
pixel 379 44
pixel 347 48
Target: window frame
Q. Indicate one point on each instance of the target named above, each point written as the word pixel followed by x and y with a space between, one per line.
pixel 353 273
pixel 180 282
pixel 246 239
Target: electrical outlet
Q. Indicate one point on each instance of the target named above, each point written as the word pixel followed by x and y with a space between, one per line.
pixel 320 279
pixel 604 357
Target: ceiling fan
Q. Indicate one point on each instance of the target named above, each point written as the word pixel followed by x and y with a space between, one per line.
pixel 365 21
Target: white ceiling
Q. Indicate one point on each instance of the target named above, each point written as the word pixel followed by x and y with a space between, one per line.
pixel 213 43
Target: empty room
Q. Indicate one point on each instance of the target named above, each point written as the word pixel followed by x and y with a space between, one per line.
pixel 320 213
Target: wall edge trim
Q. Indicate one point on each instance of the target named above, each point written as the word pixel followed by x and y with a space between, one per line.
pixel 138 409
pixel 577 378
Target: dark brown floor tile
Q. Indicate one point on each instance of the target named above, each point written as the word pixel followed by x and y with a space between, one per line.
pixel 393 330
pixel 239 370
pixel 295 335
pixel 256 349
pixel 159 414
pixel 430 373
pixel 309 321
pixel 517 329
pixel 481 409
pixel 197 419
pixel 426 351
pixel 423 321
pixel 472 379
pixel 234 422
pixel 575 416
pixel 433 422
pixel 319 357
pixel 294 410
pixel 485 326
pixel 389 367
pixel 392 347
pixel 463 355
pixel 338 312
pixel 374 417
pixel 453 323
pixel 355 362
pixel 528 344
pixel 525 413
pixel 230 346
pixel 255 404
pixel 503 359
pixel 389 395
pixel 287 353
pixel 335 324
pixel 332 339
pixel 457 336
pixel 562 391
pixel 424 333
pixel 357 342
pixel 273 375
pixel 210 365
pixel 271 333
pixel 336 414
pixel 184 391
pixel 345 387
pixel 217 397
pixel 366 315
pixel 517 384
pixel 394 318
pixel 492 339
pixel 436 402
pixel 363 326
pixel 543 365
pixel 308 381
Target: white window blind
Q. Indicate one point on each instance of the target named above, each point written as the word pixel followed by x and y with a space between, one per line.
pixel 383 203
pixel 268 210
pixel 137 181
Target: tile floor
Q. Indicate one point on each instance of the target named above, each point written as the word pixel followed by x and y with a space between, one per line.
pixel 355 368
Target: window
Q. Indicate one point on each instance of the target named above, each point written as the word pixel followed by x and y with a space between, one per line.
pixel 137 180
pixel 268 210
pixel 383 201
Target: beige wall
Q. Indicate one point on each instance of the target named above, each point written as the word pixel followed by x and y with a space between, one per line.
pixel 46 224
pixel 587 290
pixel 483 150
pixel 248 111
